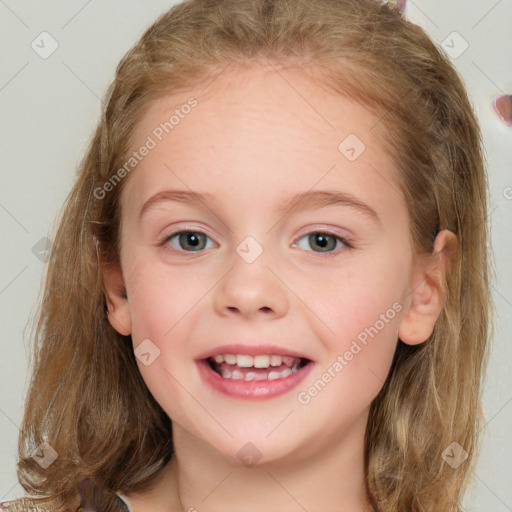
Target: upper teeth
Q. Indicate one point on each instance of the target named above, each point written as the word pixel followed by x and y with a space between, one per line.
pixel 261 361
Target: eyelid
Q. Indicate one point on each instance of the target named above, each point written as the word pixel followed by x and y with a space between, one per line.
pixel 343 234
pixel 164 241
pixel 345 240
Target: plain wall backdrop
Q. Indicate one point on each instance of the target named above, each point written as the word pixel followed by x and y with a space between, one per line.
pixel 50 98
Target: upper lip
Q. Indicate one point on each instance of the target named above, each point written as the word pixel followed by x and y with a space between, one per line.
pixel 252 350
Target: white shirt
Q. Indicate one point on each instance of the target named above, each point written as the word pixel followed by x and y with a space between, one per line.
pixel 126 500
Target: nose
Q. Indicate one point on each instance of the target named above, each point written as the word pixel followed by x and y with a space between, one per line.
pixel 251 290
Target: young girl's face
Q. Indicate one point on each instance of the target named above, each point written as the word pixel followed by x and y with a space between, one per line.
pixel 330 280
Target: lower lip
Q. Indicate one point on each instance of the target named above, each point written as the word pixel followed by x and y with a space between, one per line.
pixel 251 389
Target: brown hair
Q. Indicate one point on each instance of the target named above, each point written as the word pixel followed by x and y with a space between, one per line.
pixel 87 398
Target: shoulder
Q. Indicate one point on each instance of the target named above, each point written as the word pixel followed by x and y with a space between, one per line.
pixel 124 503
pixel 45 505
pixel 27 505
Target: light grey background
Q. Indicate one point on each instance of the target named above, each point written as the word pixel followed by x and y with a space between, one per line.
pixel 49 108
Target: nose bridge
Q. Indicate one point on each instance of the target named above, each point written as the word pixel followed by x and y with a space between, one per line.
pixel 250 287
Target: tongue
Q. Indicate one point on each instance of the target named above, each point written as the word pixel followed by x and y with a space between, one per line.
pixel 251 369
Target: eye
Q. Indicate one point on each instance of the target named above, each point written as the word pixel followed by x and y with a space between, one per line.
pixel 325 242
pixel 188 241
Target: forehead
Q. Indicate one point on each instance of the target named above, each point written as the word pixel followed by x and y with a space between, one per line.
pixel 256 124
pixel 270 93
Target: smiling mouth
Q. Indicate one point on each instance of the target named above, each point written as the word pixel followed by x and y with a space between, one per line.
pixel 256 368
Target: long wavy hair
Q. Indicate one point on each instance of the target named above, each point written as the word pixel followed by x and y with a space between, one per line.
pixel 87 399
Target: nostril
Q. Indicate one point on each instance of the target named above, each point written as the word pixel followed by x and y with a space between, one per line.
pixel 234 309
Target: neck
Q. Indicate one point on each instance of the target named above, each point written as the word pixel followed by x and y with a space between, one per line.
pixel 200 479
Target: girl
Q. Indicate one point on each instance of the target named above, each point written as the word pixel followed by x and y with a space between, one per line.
pixel 269 288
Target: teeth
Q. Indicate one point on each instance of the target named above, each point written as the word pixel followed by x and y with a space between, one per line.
pixel 229 358
pixel 260 361
pixel 237 375
pixel 288 361
pixel 236 366
pixel 244 361
pixel 273 375
pixel 276 360
pixel 226 374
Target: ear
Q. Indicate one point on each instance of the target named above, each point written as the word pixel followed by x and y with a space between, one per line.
pixel 117 301
pixel 427 289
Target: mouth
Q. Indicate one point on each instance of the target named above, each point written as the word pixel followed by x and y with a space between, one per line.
pixel 253 376
pixel 260 367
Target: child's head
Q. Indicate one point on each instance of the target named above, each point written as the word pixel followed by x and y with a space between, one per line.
pixel 222 114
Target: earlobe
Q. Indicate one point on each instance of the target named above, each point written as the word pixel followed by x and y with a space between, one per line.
pixel 427 293
pixel 117 302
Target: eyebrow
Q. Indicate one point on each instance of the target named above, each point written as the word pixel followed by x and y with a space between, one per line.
pixel 309 199
pixel 323 198
pixel 180 196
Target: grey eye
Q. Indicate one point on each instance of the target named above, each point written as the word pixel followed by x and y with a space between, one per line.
pixel 190 241
pixel 325 242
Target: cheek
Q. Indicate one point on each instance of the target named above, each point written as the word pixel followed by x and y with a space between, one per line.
pixel 160 297
pixel 363 309
pixel 163 307
pixel 358 361
pixel 353 297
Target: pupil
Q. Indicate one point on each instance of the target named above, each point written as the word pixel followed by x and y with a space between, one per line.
pixel 190 239
pixel 321 240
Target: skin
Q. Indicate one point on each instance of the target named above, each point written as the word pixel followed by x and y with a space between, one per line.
pixel 252 141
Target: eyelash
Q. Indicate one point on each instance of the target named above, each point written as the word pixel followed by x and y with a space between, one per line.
pixel 329 254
